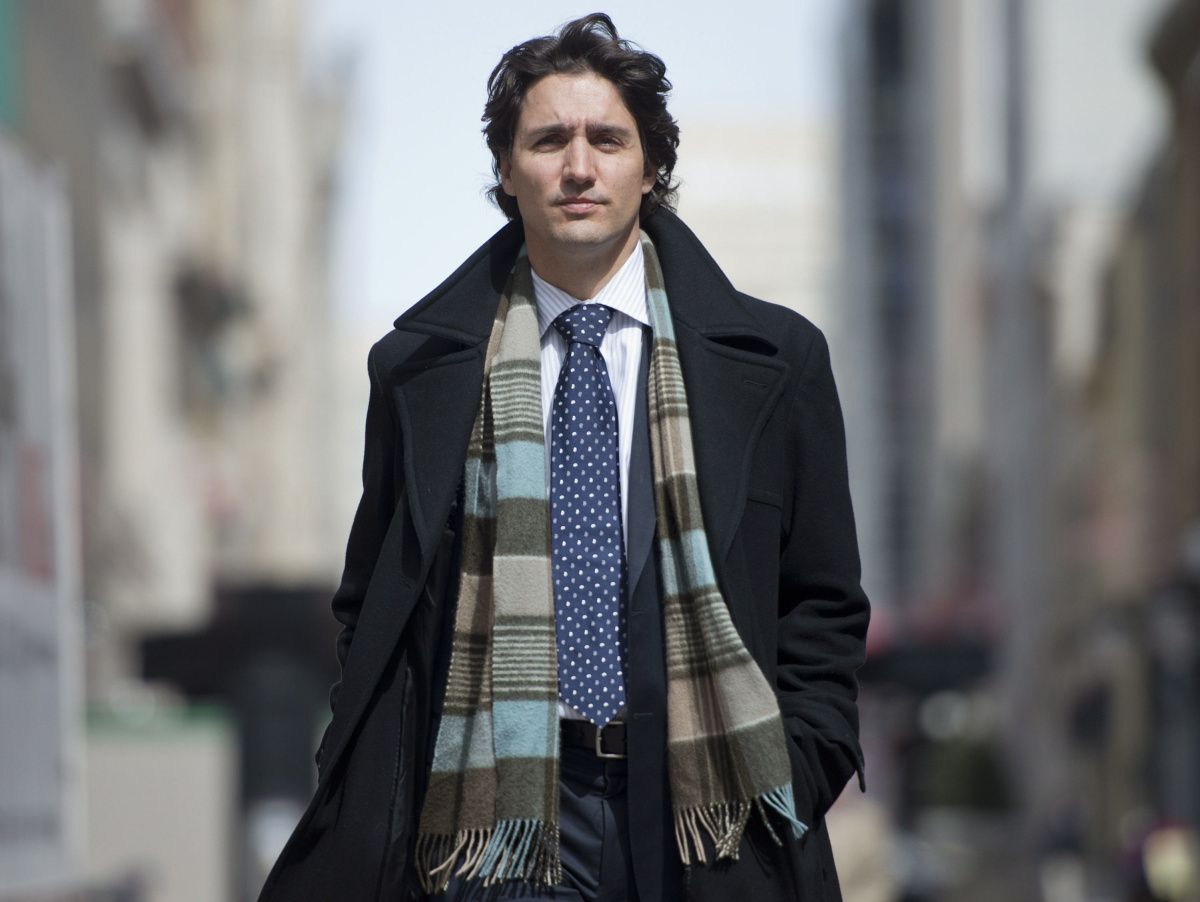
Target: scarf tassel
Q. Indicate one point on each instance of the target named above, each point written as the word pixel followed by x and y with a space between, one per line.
pixel 726 821
pixel 515 849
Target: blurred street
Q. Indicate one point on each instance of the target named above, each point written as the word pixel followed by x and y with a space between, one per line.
pixel 210 209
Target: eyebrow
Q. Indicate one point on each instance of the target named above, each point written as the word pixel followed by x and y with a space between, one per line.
pixel 594 129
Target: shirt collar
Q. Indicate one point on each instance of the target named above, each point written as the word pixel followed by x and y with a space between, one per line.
pixel 624 292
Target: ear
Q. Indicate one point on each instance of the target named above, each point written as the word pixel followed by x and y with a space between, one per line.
pixel 648 179
pixel 506 176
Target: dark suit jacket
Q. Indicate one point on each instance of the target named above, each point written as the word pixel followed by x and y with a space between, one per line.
pixel 771 460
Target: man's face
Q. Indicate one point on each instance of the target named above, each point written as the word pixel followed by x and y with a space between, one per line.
pixel 576 168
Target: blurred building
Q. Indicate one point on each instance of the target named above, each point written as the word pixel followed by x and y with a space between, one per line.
pixel 918 174
pixel 41 686
pixel 195 153
pixel 991 149
pixel 911 250
pixel 1139 491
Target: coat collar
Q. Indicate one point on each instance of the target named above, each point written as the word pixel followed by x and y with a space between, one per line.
pixel 733 376
pixel 463 306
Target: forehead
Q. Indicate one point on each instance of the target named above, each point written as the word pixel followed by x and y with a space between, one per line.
pixel 575 100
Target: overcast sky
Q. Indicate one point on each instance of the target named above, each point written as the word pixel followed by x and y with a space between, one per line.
pixel 411 207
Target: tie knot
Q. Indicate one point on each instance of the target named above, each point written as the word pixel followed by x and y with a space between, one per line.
pixel 584 323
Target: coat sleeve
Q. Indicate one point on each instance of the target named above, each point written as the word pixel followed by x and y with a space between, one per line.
pixel 823 611
pixel 370 524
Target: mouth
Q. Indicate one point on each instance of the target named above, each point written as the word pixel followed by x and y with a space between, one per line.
pixel 578 204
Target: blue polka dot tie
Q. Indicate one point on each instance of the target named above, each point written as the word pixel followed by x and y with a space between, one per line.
pixel 585 515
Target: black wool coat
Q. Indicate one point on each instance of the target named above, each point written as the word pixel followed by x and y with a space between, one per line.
pixel 771 460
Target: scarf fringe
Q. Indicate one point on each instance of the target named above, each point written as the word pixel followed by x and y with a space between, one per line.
pixel 725 822
pixel 515 849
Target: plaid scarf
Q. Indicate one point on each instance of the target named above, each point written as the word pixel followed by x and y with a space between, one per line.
pixel 492 803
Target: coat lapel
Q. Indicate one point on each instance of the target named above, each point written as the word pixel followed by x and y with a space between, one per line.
pixel 436 392
pixel 732 376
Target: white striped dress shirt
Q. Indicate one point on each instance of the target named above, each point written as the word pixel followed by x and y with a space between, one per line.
pixel 621 349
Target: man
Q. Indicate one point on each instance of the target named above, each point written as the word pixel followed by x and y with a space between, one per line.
pixel 601 603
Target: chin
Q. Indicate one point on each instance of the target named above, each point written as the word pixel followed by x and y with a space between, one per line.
pixel 583 234
pixel 579 241
pixel 587 236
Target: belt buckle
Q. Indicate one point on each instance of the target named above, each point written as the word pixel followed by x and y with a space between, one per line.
pixel 599 752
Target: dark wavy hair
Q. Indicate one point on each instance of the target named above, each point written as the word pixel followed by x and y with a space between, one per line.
pixel 587 44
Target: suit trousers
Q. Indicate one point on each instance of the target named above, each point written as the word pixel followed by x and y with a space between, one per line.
pixel 593 839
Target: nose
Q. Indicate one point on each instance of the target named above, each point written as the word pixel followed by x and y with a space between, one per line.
pixel 578 161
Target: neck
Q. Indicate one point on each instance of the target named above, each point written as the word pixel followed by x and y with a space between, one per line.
pixel 581 275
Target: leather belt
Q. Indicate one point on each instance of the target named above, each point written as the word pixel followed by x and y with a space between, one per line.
pixel 606 742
